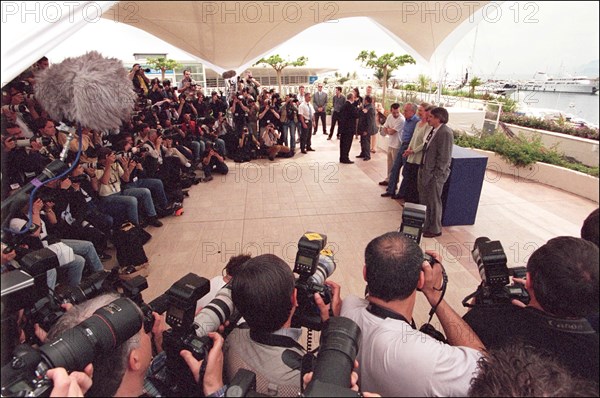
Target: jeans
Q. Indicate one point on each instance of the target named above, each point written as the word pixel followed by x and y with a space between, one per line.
pixel 121 208
pixel 157 191
pixel 73 272
pixel 86 250
pixel 395 174
pixel 291 127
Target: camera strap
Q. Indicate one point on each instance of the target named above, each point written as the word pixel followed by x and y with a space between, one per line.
pixel 383 313
pixel 576 326
pixel 274 340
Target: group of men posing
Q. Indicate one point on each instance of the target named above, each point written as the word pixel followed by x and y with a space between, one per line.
pixel 420 144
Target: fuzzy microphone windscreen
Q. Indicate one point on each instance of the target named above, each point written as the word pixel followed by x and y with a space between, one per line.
pixel 92 90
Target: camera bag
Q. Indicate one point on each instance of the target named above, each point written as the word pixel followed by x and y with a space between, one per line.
pixel 129 243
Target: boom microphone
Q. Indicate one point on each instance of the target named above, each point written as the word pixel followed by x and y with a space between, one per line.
pixel 91 90
pixel 228 74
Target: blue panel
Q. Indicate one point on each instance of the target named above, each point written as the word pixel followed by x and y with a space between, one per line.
pixel 460 197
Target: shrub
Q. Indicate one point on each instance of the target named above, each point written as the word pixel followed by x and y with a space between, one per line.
pixel 549 125
pixel 521 152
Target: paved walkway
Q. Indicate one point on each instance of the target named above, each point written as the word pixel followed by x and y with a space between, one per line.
pixel 265 207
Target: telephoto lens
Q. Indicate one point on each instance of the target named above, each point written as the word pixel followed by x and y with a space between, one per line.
pixel 324 270
pixel 338 350
pixel 215 313
pixel 108 328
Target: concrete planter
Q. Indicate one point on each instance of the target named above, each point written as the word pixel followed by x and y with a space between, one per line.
pixel 582 149
pixel 567 180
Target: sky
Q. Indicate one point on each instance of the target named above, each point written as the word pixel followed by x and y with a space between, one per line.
pixel 528 37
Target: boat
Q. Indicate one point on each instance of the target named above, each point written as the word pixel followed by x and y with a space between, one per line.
pixel 578 84
pixel 497 87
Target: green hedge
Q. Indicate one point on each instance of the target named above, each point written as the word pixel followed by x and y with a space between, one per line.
pixel 522 152
pixel 549 125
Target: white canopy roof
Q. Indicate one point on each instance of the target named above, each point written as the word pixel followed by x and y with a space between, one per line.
pixel 233 35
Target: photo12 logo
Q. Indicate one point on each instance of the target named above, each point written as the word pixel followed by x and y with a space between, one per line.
pixel 50 11
pixel 268 11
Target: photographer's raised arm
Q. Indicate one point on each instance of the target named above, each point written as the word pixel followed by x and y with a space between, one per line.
pixel 456 329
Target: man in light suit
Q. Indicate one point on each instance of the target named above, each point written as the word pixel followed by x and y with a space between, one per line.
pixel 435 168
pixel 320 103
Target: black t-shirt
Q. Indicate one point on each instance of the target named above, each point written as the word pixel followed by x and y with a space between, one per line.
pixel 572 343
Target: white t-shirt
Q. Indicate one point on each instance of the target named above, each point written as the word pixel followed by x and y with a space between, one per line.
pixel 396 124
pixel 396 360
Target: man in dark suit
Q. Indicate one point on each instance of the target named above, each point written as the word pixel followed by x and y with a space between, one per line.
pixel 435 168
pixel 347 127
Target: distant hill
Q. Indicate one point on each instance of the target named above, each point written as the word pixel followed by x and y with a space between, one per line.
pixel 591 69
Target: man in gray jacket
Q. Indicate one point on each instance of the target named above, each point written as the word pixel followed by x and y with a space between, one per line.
pixel 435 169
pixel 320 104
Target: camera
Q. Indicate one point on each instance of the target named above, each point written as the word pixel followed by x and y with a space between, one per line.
pixel 180 303
pixel 492 265
pixel 413 220
pixel 79 179
pixel 21 108
pixel 314 264
pixel 89 165
pixel 108 328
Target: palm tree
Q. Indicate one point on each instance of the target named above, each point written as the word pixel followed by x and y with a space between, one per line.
pixel 423 83
pixel 474 82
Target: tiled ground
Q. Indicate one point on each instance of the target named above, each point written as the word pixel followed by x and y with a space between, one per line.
pixel 264 207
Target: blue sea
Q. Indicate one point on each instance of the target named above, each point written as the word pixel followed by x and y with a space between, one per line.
pixel 584 106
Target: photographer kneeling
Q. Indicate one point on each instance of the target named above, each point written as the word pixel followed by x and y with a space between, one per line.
pixel 264 292
pixel 562 282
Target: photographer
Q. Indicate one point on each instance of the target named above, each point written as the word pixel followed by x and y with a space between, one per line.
pixel 38 238
pixel 240 112
pixel 169 91
pixel 267 114
pixel 139 180
pixel 140 81
pixel 289 119
pixel 562 282
pixel 186 107
pixel 248 147
pixel 396 359
pixel 270 138
pixel 263 290
pixel 157 93
pixel 65 214
pixel 252 84
pixel 212 161
pixel 122 205
pixel 20 108
pixel 128 370
pixel 519 370
pixel 19 163
pixel 216 105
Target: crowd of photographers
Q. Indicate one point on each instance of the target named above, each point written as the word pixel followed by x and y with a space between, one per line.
pixel 239 333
